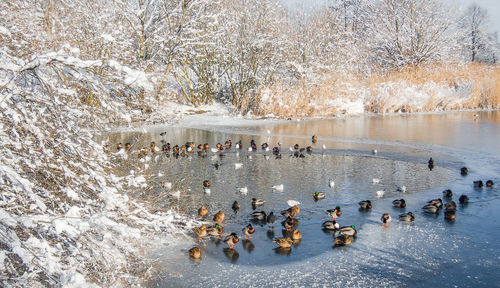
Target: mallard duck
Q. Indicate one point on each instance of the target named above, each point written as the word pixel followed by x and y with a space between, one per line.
pixel 228 144
pixel 291 212
pixel 276 150
pixel 248 231
pixel 236 206
pixel 437 202
pixel 253 145
pixel 296 147
pixel 318 195
pixel 309 149
pixel 203 211
pixel 296 235
pixel 200 146
pixel 257 202
pixel 295 209
pixel 431 208
pixel 119 146
pixel 289 223
pixel 342 239
pixel 259 215
pixel 206 183
pixel 219 217
pixel 478 183
pixel 489 183
pixel 430 163
pixel 283 242
pixel 449 215
pixel 386 218
pixel 314 139
pixel 231 240
pixel 165 148
pixel 399 203
pixel 366 204
pixel 271 218
pixel 408 217
pixel 334 213
pixel 464 171
pixel 195 253
pixel 206 147
pixel 331 225
pixel 349 230
pixel 217 164
pixel 215 230
pixel 450 206
pixel 200 231
pixel 401 188
pixel 264 146
pixel 463 199
pixel 127 146
pixel 447 193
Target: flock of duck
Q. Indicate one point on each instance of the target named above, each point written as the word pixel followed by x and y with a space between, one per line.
pixel 342 235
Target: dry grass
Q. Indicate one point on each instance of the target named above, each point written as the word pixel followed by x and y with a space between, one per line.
pixel 413 89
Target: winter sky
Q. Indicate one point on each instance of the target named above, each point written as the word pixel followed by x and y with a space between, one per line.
pixel 492 6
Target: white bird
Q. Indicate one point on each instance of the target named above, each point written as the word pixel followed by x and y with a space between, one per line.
pixel 176 194
pixel 207 190
pixel 324 147
pixel 214 150
pixel 375 180
pixel 238 165
pixel 380 193
pixel 291 149
pixel 249 149
pixel 292 203
pixel 278 187
pixel 243 190
pixel 167 185
pixel 237 145
pixel 374 151
pixel 401 188
pixel 189 149
pixel 331 183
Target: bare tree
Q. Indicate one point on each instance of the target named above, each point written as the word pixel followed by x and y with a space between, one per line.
pixel 478 42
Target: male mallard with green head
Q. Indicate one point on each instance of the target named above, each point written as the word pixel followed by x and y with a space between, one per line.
pixel 407 217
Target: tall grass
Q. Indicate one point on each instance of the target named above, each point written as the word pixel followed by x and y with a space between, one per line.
pixel 412 89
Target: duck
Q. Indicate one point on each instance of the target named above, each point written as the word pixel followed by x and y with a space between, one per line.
pixel 279 187
pixel 489 183
pixel 296 235
pixel 314 138
pixel 478 184
pixel 217 164
pixel 401 188
pixel 366 204
pixel 431 208
pixel 342 240
pixel 200 231
pixel 239 145
pixel 309 149
pixel 264 146
pixel 276 150
pixel 283 242
pixel 431 162
pixel 399 203
pixel 206 183
pixel 447 193
pixel 386 218
pixel 291 212
pixel 380 193
pixel 259 215
pixel 463 199
pixel 231 240
pixel 464 171
pixel 253 145
pixel 200 146
pixel 235 206
pixel 228 144
pixel 257 202
pixel 407 217
pixel 238 166
pixel 219 217
pixel 331 225
pixel 271 219
pixel 296 147
pixel 449 215
pixel 243 190
pixel 450 206
pixel 248 231
pixel 215 230
pixel 119 146
pixel 334 213
pixel 203 211
pixel 289 223
pixel 348 230
pixel 438 202
pixel 128 146
pixel 206 147
pixel 195 253
pixel 318 195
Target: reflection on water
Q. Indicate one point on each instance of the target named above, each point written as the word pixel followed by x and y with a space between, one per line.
pixel 426 251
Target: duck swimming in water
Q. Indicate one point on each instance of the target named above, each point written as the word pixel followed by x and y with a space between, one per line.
pixel 478 184
pixel 257 202
pixel 342 240
pixel 318 195
pixel 437 202
pixel 463 199
pixel 206 183
pixel 489 183
pixel 271 219
pixel 366 204
pixel 447 193
pixel 408 217
pixel 259 215
pixel 450 206
pixel 449 215
pixel 431 208
pixel 331 225
pixel 399 203
pixel 235 206
pixel 334 213
pixel 464 171
pixel 348 230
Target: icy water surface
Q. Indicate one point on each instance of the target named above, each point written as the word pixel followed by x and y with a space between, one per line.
pixel 430 251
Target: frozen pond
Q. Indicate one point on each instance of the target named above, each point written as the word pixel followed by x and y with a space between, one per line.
pixel 463 253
